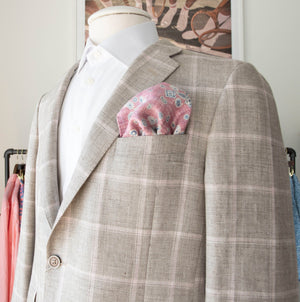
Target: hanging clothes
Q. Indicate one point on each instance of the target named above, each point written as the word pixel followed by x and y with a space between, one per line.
pixel 295 188
pixel 9 236
pixel 21 199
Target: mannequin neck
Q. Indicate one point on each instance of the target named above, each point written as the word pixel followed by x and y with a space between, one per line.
pixel 111 20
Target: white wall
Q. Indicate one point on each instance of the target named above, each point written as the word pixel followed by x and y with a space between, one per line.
pixel 272 44
pixel 38 45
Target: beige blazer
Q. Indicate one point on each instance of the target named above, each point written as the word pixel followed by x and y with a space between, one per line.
pixel 200 217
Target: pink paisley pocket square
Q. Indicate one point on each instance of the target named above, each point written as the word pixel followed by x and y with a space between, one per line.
pixel 160 109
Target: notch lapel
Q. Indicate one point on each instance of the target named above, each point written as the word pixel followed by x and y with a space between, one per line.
pixel 153 66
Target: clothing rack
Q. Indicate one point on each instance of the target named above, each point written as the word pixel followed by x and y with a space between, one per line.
pixel 292 162
pixel 7 155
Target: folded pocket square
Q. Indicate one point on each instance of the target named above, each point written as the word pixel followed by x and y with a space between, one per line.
pixel 160 109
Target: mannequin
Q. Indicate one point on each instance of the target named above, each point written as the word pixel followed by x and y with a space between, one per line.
pixel 110 20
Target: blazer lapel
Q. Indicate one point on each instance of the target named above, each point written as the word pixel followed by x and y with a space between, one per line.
pixel 50 201
pixel 153 66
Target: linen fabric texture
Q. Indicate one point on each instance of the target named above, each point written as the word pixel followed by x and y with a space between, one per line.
pixel 204 216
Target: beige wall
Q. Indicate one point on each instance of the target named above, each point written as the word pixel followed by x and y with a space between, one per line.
pixel 38 44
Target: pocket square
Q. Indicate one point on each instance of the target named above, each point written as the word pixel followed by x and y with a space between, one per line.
pixel 160 109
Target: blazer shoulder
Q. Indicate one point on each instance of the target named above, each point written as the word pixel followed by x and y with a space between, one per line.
pixel 61 84
pixel 217 72
pixel 50 94
pixel 247 74
pixel 209 59
pixel 205 70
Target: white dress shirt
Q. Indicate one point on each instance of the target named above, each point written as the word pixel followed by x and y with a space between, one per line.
pixel 100 69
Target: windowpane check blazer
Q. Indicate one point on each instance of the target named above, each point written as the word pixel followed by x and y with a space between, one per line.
pixel 205 216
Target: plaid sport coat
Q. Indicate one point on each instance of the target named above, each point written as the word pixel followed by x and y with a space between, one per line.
pixel 201 217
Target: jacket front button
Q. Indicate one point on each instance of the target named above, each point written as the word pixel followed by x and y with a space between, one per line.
pixel 54 261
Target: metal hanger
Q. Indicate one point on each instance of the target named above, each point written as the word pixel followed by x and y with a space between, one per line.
pixel 292 162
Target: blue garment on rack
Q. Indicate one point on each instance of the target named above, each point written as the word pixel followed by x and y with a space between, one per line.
pixel 295 187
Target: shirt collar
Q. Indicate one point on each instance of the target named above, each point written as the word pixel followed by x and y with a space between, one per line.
pixel 134 40
pixel 88 48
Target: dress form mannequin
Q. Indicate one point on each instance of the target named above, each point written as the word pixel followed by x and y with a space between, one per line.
pixel 110 20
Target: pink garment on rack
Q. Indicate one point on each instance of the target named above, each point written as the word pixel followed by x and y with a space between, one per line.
pixel 9 237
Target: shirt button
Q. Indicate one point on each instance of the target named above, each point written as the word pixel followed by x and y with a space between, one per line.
pixel 54 261
pixel 97 54
pixel 89 81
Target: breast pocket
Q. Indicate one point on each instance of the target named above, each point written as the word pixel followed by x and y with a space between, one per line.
pixel 140 173
pixel 151 158
pixel 154 144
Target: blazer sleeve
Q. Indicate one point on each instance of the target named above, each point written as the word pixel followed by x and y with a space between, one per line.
pixel 250 240
pixel 27 234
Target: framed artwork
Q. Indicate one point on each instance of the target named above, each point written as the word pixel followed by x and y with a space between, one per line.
pixel 209 26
